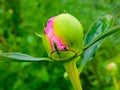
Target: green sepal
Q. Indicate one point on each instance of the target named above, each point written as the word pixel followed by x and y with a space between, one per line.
pixel 47 44
pixel 64 55
pixel 38 35
pixel 56 49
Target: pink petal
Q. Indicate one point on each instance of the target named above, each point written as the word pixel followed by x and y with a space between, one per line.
pixel 111 65
pixel 49 31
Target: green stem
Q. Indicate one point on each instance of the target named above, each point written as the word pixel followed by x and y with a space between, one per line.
pixel 73 74
pixel 116 85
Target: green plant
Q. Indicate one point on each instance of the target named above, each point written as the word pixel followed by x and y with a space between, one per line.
pixel 100 29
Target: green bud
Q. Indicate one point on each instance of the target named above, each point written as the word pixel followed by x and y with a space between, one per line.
pixel 112 69
pixel 63 37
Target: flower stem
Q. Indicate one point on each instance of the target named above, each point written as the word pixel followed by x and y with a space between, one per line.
pixel 73 74
pixel 116 85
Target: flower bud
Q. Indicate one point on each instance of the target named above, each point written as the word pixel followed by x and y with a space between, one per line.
pixel 63 37
pixel 112 68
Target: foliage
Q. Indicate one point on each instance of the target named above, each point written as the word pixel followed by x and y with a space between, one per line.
pixel 19 19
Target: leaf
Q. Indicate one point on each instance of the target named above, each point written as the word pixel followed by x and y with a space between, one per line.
pixel 19 57
pixel 100 26
pixel 104 35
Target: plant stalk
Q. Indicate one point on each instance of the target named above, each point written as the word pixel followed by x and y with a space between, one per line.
pixel 73 74
pixel 116 85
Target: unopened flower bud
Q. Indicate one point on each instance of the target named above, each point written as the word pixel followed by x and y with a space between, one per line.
pixel 112 68
pixel 63 37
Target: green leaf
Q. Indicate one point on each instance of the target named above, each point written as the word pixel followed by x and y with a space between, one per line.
pixel 100 26
pixel 104 35
pixel 19 57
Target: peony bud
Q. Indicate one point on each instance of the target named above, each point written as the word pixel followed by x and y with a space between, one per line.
pixel 63 37
pixel 112 68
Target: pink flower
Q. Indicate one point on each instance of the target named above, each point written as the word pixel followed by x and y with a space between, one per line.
pixel 112 68
pixel 111 65
pixel 63 37
pixel 49 31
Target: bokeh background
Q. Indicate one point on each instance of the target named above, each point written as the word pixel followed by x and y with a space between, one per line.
pixel 20 19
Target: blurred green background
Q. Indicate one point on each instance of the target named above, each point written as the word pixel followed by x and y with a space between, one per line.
pixel 19 19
